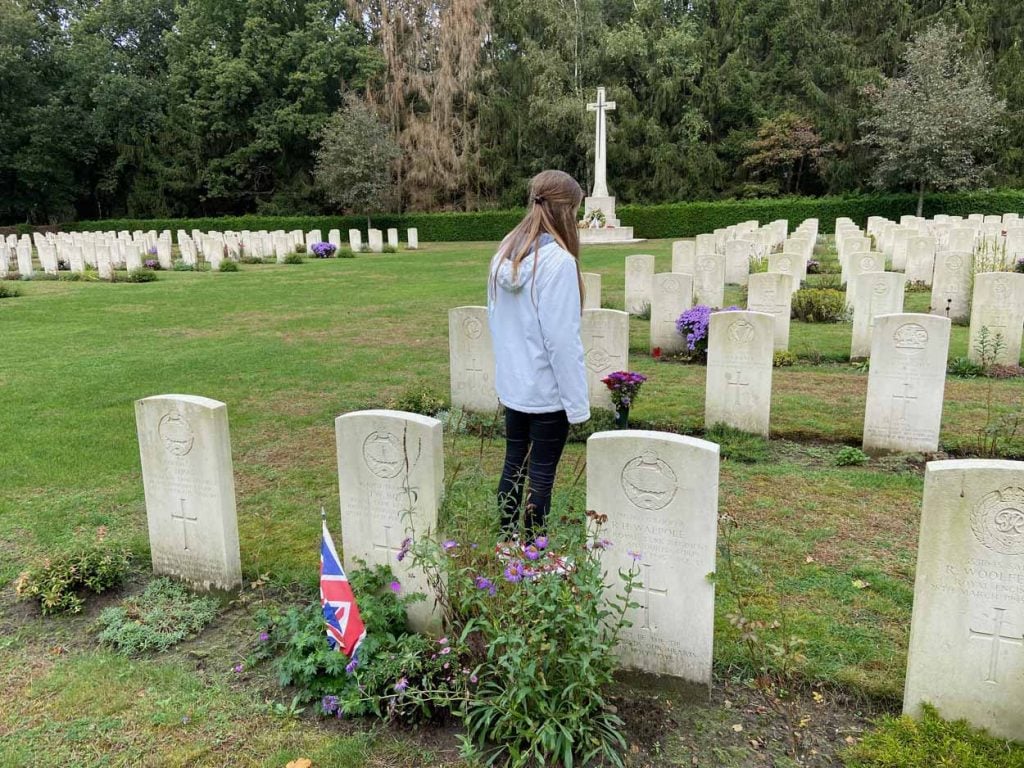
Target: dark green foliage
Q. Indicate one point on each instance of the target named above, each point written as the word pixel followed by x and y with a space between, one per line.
pixel 965 368
pixel 162 616
pixel 421 401
pixel 783 358
pixel 294 258
pixel 819 305
pixel 735 445
pixel 61 580
pixel 902 742
pixel 848 456
pixel 8 291
pixel 228 266
pixel 142 275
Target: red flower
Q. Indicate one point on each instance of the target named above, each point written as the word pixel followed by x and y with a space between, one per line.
pixel 656 353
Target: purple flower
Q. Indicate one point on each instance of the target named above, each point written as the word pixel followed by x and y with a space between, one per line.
pixel 402 684
pixel 406 546
pixel 450 545
pixel 443 641
pixel 351 666
pixel 541 542
pixel 514 572
pixel 473 679
pixel 323 250
pixel 152 251
pixel 329 704
pixel 482 583
pixel 531 552
pixel 264 637
pixel 238 668
pixel 602 544
pixel 635 555
pixel 395 587
pixel 151 264
pixel 445 651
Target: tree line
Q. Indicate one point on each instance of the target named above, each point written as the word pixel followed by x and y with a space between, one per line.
pixel 165 108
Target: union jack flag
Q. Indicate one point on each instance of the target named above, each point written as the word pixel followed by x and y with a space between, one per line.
pixel 345 629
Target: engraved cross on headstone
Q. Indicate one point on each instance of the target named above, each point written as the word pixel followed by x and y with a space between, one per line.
pixel 386 546
pixel 904 401
pixel 995 637
pixel 185 519
pixel 736 386
pixel 648 590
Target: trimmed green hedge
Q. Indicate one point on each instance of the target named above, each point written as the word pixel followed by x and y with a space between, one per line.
pixel 650 221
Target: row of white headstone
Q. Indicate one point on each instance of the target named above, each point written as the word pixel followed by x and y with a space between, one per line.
pixel 109 251
pixel 660 494
pixel 906 381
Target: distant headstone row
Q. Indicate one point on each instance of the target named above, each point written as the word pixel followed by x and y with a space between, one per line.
pixel 109 251
pixel 660 494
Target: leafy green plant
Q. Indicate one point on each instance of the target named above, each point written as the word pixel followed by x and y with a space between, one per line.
pixel 819 305
pixel 162 616
pixel 181 266
pixel 783 358
pixel 252 260
pixel 300 248
pixel 142 275
pixel 543 625
pixel 60 581
pixel 8 291
pixel 848 456
pixel 419 400
pixel 389 249
pixel 227 265
pixel 645 311
pixel 736 445
pixel 345 253
pixel 904 742
pixel 294 258
pixel 964 368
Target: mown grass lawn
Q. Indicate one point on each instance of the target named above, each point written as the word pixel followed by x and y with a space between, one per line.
pixel 288 348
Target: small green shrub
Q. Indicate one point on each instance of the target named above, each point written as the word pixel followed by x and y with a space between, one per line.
pixel 181 266
pixel 902 742
pixel 782 358
pixel 345 253
pixel 228 266
pixel 848 456
pixel 419 400
pixel 162 616
pixel 294 258
pixel 142 275
pixel 252 260
pixel 819 305
pixel 964 368
pixel 300 248
pixel 59 582
pixel 8 291
pixel 645 311
pixel 364 248
pixel 389 249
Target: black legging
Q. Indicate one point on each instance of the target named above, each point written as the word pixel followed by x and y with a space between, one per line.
pixel 533 446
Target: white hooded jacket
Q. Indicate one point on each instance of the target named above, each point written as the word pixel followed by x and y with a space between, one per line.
pixel 535 325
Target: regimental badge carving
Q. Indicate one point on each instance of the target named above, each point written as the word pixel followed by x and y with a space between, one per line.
pixel 954 263
pixel 597 360
pixel 741 331
pixel 785 264
pixel 176 434
pixel 472 327
pixel 910 338
pixel 998 521
pixel 670 285
pixel 636 266
pixel 880 288
pixel 867 264
pixel 706 264
pixel 648 482
pixel 382 452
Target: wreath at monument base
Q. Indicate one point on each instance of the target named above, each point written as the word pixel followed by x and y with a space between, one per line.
pixel 594 220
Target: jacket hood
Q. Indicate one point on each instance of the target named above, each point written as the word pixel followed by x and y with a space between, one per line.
pixel 504 276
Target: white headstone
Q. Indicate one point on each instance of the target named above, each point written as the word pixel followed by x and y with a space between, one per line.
pixel 787 264
pixel 772 294
pixel 906 383
pixel 390 480
pixel 952 283
pixel 684 256
pixel 672 295
pixel 185 446
pixel 858 263
pixel 605 336
pixel 709 280
pixel 999 306
pixel 471 360
pixel 738 254
pixel 966 655
pixel 739 376
pixel 920 260
pixel 412 238
pixel 639 273
pixel 961 239
pixel 591 290
pixel 376 238
pixel 393 238
pixel 24 251
pixel 334 238
pixel 878 293
pixel 660 492
pixel 355 240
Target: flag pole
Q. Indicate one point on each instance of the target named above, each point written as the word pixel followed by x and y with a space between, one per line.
pixel 323 514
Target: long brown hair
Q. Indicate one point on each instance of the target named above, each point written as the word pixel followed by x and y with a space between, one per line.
pixel 555 198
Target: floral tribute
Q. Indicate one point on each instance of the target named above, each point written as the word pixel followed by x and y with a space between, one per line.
pixel 625 387
pixel 323 250
pixel 693 325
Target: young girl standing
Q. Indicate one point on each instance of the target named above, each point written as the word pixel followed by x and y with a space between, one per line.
pixel 534 303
